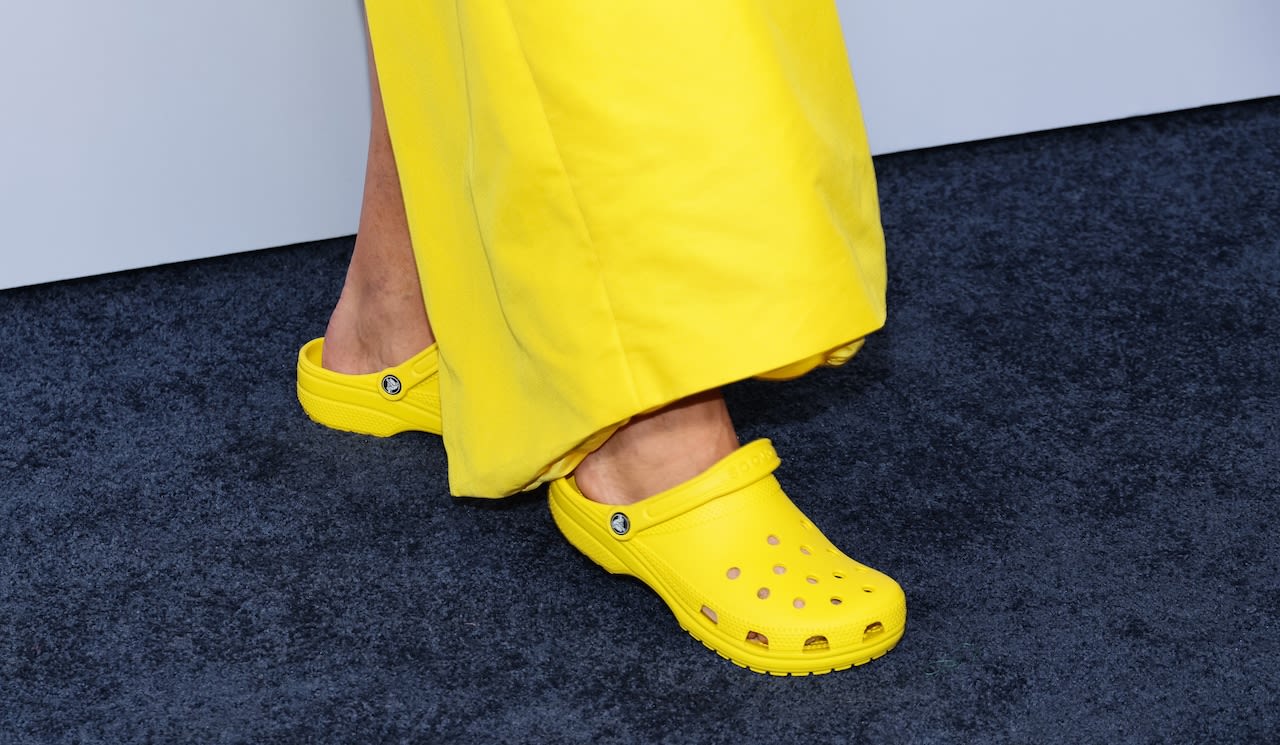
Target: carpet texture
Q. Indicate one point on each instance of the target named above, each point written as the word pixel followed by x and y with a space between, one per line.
pixel 1065 445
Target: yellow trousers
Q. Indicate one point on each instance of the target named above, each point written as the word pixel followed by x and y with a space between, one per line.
pixel 618 204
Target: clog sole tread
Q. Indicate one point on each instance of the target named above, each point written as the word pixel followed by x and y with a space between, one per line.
pixel 359 420
pixel 858 662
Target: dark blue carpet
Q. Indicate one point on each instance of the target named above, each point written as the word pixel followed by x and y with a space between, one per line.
pixel 1064 445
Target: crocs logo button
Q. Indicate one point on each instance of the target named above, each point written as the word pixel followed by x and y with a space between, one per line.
pixel 619 523
pixel 391 385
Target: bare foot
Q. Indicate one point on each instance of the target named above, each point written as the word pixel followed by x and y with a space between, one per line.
pixel 373 328
pixel 659 450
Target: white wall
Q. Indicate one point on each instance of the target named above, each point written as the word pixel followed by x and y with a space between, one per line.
pixel 931 72
pixel 140 132
pixel 147 131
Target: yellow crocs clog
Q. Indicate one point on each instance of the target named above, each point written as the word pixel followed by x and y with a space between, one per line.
pixel 404 398
pixel 742 568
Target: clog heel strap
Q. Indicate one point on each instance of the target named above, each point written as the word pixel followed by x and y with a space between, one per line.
pixel 743 570
pixel 402 398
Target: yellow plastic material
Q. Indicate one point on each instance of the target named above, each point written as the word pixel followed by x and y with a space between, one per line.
pixel 615 205
pixel 404 398
pixel 742 569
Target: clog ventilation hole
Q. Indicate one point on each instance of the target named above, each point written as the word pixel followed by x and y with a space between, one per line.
pixel 813 643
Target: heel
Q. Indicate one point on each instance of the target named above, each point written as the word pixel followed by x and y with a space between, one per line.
pixel 404 398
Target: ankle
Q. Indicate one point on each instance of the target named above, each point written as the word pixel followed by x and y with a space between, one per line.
pixel 659 450
pixel 371 330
